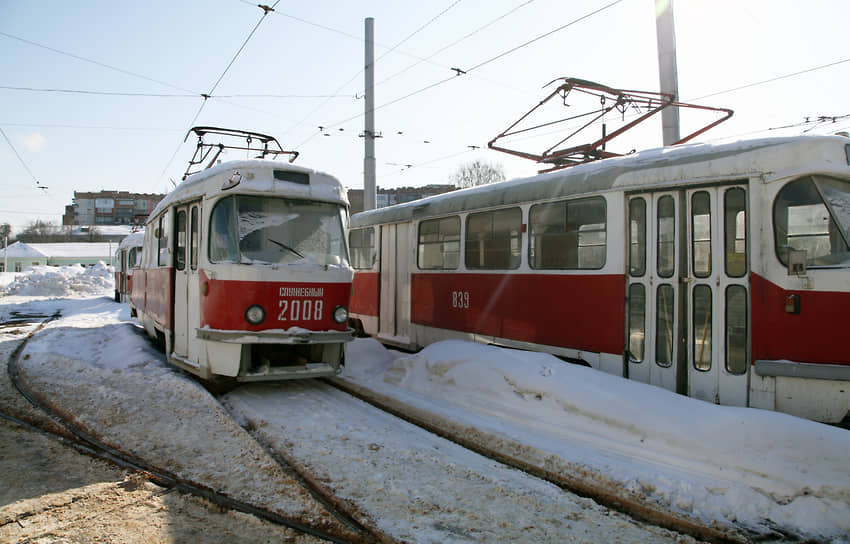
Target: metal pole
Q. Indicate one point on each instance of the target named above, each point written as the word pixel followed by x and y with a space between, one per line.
pixel 370 198
pixel 666 37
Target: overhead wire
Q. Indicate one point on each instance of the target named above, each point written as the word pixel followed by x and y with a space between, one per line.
pixel 393 48
pixel 266 11
pixel 484 63
pixel 454 43
pixel 771 80
pixel 98 63
pixel 18 155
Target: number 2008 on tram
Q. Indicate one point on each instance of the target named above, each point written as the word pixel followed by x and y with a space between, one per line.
pixel 245 272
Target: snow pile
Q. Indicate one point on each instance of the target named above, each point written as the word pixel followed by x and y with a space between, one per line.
pixel 732 466
pixel 72 280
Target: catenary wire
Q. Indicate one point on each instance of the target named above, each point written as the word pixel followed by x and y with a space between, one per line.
pixel 18 155
pixel 266 11
pixel 98 63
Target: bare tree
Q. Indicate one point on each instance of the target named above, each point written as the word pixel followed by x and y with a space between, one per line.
pixel 41 231
pixel 5 231
pixel 478 172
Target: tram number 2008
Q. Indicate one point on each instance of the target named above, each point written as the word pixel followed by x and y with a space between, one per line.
pixel 460 299
pixel 300 310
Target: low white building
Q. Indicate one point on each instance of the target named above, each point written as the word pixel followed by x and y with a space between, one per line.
pixel 20 256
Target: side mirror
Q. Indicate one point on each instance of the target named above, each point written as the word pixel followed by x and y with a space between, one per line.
pixel 797 262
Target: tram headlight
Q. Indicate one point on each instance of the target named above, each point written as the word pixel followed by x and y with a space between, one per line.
pixel 340 314
pixel 255 314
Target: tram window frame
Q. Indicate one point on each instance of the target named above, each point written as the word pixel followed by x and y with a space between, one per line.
pixel 637 237
pixel 494 239
pixel 702 227
pixel 444 238
pixel 362 254
pixel 180 241
pixel 735 224
pixel 223 242
pixel 162 241
pixel 736 333
pixel 194 242
pixel 637 323
pixel 826 247
pixel 564 233
pixel 702 329
pixel 665 228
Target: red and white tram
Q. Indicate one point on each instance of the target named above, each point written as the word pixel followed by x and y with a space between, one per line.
pixel 127 257
pixel 721 272
pixel 245 272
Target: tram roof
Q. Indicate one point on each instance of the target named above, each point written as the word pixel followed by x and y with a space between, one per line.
pixel 322 186
pixel 677 165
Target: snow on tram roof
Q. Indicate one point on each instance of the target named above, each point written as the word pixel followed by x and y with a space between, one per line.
pixel 321 186
pixel 687 163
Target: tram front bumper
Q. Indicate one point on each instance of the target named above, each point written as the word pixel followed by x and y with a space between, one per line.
pixel 299 336
pixel 274 354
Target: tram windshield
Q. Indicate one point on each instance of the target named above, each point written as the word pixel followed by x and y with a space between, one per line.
pixel 263 230
pixel 812 214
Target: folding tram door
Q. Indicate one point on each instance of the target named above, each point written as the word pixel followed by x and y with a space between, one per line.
pixel 687 325
pixel 186 297
pixel 394 309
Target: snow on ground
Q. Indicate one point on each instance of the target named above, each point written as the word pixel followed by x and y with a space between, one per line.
pixel 417 487
pixel 734 466
pixel 63 281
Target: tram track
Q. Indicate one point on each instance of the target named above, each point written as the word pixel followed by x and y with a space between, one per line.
pixel 59 426
pixel 508 454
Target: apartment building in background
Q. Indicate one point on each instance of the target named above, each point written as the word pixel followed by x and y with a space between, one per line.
pixel 110 208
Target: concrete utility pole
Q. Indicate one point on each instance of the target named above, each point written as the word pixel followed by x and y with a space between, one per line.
pixel 666 37
pixel 370 198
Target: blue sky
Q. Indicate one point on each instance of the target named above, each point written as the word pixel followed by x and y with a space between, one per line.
pixel 99 95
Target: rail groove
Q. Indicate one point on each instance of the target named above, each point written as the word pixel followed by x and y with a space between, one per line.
pixel 612 498
pixel 85 442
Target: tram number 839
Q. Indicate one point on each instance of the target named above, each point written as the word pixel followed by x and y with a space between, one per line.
pixel 460 299
pixel 300 310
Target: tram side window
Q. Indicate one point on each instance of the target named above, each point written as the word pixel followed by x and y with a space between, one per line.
pixel 180 256
pixel 223 238
pixel 193 239
pixel 637 237
pixel 439 243
pixel 803 221
pixel 736 232
pixel 162 242
pixel 362 244
pixel 568 235
pixel 494 239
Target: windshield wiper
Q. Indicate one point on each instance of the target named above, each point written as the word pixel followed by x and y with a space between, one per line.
pixel 286 247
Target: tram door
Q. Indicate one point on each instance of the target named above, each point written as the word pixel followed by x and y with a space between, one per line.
pixel 718 339
pixel 394 311
pixel 186 309
pixel 654 309
pixel 688 291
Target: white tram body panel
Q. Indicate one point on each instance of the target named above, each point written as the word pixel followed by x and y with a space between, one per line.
pixel 245 272
pixel 717 271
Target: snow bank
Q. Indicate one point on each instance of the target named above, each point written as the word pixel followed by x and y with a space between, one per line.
pixel 734 466
pixel 73 280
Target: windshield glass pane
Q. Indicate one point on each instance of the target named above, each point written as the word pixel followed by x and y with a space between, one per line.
pixel 253 229
pixel 836 192
pixel 802 221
